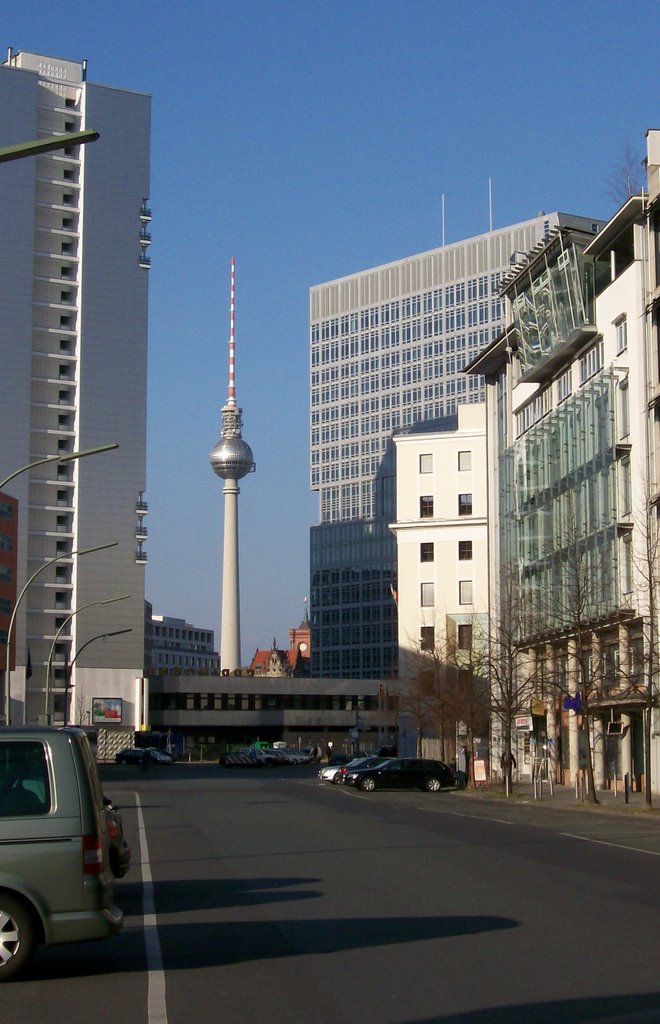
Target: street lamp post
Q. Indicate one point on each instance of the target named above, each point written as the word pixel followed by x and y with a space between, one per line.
pixel 58 558
pixel 66 457
pixel 99 636
pixel 63 625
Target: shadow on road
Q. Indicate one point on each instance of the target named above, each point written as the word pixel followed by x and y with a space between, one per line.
pixel 200 944
pixel 630 1009
pixel 184 895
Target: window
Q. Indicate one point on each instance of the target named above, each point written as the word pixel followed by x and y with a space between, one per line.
pixel 564 386
pixel 591 362
pixel 426 552
pixel 426 506
pixel 465 504
pixel 464 637
pixel 427 638
pixel 465 550
pixel 465 592
pixel 427 596
pixel 621 334
pixel 23 779
pixel 426 463
pixel 464 461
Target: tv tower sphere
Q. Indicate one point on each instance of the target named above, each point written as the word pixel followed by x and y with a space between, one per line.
pixel 231 459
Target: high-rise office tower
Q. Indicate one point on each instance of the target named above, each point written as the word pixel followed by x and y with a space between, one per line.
pixel 73 341
pixel 388 347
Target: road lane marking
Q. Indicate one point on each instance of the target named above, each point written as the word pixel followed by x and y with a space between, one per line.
pixel 460 814
pixel 156 996
pixel 604 842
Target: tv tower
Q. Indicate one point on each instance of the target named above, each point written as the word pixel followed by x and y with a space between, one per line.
pixel 231 458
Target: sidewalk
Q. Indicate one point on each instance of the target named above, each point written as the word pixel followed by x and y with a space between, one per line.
pixel 565 797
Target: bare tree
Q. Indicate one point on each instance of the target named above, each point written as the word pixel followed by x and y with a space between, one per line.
pixel 512 684
pixel 446 683
pixel 627 177
pixel 639 672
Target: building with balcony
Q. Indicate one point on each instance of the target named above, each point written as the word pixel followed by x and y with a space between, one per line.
pixel 388 347
pixel 73 338
pixel 572 422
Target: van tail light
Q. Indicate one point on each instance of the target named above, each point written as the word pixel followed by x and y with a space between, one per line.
pixel 92 855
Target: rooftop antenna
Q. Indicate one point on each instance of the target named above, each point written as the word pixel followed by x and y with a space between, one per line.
pixel 231 391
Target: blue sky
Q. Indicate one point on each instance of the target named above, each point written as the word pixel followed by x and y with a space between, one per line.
pixel 311 140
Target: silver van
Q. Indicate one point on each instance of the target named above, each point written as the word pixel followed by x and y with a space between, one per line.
pixel 55 878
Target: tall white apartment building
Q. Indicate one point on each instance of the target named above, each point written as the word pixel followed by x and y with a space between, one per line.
pixel 73 341
pixel 441 531
pixel 388 349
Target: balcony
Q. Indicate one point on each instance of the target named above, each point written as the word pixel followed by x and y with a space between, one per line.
pixel 141 556
pixel 145 261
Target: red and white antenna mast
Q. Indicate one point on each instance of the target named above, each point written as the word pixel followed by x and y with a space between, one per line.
pixel 231 397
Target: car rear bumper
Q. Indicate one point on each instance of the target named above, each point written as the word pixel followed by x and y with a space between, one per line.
pixel 83 926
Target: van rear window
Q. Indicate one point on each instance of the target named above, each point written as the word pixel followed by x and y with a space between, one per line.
pixel 24 787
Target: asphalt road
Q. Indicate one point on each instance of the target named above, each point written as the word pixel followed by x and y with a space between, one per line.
pixel 263 895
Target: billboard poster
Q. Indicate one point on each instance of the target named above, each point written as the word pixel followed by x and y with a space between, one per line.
pixel 106 710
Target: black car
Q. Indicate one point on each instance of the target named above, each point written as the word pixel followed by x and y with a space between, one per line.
pixel 403 773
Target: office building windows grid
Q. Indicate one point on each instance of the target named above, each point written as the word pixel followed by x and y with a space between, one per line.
pixel 396 337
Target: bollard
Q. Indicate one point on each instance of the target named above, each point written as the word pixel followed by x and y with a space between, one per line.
pixel 626 787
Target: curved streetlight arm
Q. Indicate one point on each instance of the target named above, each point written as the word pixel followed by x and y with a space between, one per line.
pixel 62 627
pixel 58 558
pixel 69 457
pixel 99 636
pixel 22 149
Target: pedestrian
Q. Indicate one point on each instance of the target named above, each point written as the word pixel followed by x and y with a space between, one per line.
pixel 463 766
pixel 507 762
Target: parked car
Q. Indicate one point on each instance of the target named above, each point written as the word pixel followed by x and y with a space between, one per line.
pixel 403 773
pixel 159 756
pixel 130 755
pixel 336 773
pixel 144 756
pixel 119 850
pixel 51 805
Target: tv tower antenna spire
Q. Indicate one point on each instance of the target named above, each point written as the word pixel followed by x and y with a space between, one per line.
pixel 231 459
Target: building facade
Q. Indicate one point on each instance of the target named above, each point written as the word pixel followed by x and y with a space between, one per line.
pixel 73 337
pixel 174 645
pixel 442 567
pixel 388 347
pixel 573 387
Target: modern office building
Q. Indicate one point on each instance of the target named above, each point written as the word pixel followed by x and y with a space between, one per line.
pixel 174 645
pixel 73 340
pixel 573 423
pixel 388 349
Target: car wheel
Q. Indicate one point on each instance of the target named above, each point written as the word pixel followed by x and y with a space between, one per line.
pixel 18 937
pixel 336 779
pixel 432 785
pixel 368 784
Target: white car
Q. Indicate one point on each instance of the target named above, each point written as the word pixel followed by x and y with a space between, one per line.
pixel 335 772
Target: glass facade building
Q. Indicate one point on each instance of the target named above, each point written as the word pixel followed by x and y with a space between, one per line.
pixel 388 347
